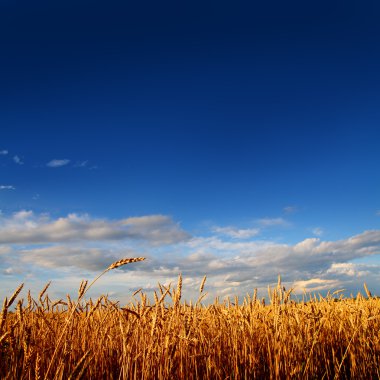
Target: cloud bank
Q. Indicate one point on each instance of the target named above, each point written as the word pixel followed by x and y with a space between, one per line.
pixel 235 260
pixel 24 227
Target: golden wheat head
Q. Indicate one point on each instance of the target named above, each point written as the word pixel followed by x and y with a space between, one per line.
pixel 126 261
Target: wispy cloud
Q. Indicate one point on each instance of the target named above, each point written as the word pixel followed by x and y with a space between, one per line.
pixel 269 222
pixel 18 160
pixel 7 187
pixel 378 213
pixel 317 231
pixel 81 164
pixel 236 233
pixel 3 152
pixel 290 209
pixel 57 163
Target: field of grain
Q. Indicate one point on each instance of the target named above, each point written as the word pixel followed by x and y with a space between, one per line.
pixel 168 338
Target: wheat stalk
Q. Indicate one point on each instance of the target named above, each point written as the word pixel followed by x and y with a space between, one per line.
pixel 43 291
pixel 14 295
pixel 178 292
pixel 369 294
pixel 202 284
pixel 82 288
pixel 114 265
pixel 4 314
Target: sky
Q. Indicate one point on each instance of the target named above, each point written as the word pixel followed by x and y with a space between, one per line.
pixel 234 140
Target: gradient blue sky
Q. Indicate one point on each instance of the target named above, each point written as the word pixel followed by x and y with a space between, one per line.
pixel 215 138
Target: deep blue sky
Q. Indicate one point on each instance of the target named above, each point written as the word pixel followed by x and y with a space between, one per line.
pixel 215 113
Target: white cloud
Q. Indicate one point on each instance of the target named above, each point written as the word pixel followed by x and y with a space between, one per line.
pixel 269 222
pixel 306 245
pixel 236 233
pixel 290 209
pixel 157 229
pixel 23 214
pixel 317 231
pixel 8 271
pixel 18 160
pixel 349 269
pixel 7 187
pixel 81 164
pixel 64 256
pixel 3 152
pixel 378 213
pixel 216 244
pixel 315 285
pixel 57 163
pixel 26 227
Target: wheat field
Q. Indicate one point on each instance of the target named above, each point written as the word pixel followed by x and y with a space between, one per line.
pixel 168 338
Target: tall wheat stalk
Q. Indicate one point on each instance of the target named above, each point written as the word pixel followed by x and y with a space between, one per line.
pixel 114 265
